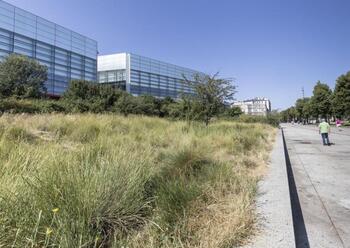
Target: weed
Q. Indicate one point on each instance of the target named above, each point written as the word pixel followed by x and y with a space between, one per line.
pixel 18 134
pixel 110 181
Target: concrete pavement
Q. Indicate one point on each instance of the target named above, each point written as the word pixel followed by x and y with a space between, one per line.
pixel 321 176
pixel 273 204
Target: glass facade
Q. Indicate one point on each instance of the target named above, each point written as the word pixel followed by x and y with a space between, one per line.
pixel 153 77
pixel 115 78
pixel 67 55
pixel 146 76
pixel 112 76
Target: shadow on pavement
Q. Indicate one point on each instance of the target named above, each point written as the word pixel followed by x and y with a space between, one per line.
pixel 300 233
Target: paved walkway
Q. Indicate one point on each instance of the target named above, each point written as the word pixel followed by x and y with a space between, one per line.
pixel 322 180
pixel 273 205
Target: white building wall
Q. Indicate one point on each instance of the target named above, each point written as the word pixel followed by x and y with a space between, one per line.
pixel 112 62
pixel 256 106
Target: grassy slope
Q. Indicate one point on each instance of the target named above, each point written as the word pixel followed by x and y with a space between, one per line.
pixel 109 181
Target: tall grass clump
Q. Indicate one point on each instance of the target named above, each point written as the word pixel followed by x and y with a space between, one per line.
pixel 110 181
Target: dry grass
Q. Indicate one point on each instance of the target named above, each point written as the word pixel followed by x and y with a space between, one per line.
pixel 132 182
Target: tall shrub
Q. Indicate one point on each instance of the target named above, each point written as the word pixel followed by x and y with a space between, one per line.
pixel 211 94
pixel 21 76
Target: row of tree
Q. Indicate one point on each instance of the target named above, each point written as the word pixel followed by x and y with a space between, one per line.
pixel 324 103
pixel 24 78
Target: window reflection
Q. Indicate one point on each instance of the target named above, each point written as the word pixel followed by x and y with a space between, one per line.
pixel 67 55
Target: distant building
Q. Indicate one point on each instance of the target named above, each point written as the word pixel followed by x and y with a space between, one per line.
pixel 140 75
pixel 67 54
pixel 256 106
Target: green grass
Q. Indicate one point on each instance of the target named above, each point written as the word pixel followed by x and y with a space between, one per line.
pixel 109 181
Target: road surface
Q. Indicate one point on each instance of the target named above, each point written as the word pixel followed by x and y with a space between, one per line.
pixel 321 177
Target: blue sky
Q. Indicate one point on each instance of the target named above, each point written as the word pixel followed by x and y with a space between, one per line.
pixel 272 48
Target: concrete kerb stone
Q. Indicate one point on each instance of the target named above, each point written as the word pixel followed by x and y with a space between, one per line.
pixel 275 223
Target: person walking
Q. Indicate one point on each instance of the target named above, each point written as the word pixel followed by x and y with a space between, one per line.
pixel 338 123
pixel 324 130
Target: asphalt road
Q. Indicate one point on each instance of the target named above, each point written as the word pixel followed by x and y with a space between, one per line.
pixel 321 175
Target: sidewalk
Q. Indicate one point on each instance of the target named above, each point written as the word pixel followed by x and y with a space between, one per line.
pixel 273 205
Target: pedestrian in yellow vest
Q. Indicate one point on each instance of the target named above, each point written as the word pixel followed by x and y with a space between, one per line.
pixel 324 130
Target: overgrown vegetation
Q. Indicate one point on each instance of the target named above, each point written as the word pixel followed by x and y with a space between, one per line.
pixel 272 118
pixel 103 180
pixel 110 181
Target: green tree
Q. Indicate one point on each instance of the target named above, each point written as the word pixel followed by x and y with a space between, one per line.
pixel 341 96
pixel 321 101
pixel 233 112
pixel 284 115
pixel 292 113
pixel 307 110
pixel 211 94
pixel 21 76
pixel 302 109
pixel 289 114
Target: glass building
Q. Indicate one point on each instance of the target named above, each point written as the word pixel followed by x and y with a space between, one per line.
pixel 67 54
pixel 140 75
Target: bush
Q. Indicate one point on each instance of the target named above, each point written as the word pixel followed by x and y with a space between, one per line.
pixel 22 77
pixel 91 97
pixel 271 119
pixel 15 106
pixel 32 106
pixel 126 104
pixel 232 112
pixel 50 106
